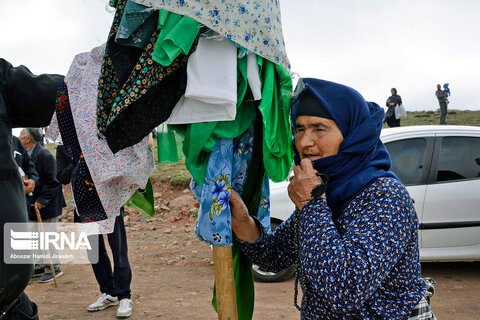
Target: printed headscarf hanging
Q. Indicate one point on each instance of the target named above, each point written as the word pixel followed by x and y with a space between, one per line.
pixel 255 25
pixel 135 94
pixel 116 176
pixel 136 26
pixel 87 203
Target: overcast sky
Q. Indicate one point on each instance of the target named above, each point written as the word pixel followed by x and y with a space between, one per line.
pixel 370 45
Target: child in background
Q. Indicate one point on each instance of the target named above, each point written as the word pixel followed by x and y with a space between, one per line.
pixel 446 90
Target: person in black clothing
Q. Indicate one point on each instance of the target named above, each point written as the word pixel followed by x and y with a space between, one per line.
pixel 23 161
pixel 26 100
pixel 392 102
pixel 47 196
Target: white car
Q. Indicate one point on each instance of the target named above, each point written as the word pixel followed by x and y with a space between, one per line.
pixel 440 166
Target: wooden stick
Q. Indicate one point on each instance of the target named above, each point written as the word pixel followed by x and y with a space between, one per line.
pixel 40 223
pixel 225 283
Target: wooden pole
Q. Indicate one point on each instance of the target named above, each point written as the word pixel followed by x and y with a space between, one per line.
pixel 40 223
pixel 225 283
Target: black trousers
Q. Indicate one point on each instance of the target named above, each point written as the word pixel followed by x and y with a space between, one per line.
pixel 393 122
pixel 22 309
pixel 443 112
pixel 114 282
pixel 13 277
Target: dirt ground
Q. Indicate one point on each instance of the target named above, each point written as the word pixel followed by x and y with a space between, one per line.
pixel 173 275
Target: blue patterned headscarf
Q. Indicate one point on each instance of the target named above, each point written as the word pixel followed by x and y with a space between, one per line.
pixel 362 157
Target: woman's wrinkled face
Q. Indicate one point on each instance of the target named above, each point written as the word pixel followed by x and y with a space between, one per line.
pixel 317 137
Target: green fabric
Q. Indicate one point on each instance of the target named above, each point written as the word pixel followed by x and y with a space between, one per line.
pixel 177 34
pixel 200 138
pixel 143 202
pixel 275 109
pixel 242 266
pixel 167 145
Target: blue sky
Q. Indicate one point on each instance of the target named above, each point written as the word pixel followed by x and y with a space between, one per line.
pixel 370 45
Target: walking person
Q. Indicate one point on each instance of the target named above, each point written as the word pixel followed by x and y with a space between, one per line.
pixel 114 284
pixel 391 103
pixel 47 196
pixel 442 100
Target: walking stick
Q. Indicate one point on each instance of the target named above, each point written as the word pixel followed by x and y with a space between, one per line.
pixel 225 283
pixel 39 218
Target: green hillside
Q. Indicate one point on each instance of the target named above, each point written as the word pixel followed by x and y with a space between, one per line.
pixel 454 117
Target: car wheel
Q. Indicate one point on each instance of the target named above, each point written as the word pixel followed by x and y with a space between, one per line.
pixel 261 275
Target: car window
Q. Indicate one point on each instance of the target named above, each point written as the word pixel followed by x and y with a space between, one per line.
pixel 407 159
pixel 459 158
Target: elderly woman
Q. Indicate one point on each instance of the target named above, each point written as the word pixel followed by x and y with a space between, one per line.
pixel 354 239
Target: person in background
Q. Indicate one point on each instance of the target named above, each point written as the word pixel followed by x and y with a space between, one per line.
pixel 30 179
pixel 354 234
pixel 47 196
pixel 391 103
pixel 24 162
pixel 25 100
pixel 442 101
pixel 114 286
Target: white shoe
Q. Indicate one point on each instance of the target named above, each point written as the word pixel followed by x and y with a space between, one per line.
pixel 103 302
pixel 124 309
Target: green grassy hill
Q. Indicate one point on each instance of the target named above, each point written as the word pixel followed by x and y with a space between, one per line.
pixel 454 117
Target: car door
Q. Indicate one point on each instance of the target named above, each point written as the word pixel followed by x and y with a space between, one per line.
pixel 411 159
pixel 451 215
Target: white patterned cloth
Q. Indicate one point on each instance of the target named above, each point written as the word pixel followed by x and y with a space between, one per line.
pixel 255 24
pixel 116 176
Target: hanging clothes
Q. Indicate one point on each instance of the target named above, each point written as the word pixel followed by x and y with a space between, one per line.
pixel 234 163
pixel 211 92
pixel 135 94
pixel 116 177
pixel 227 169
pixel 255 25
pixel 136 26
pixel 88 206
pixel 177 34
pixel 253 77
pixel 200 138
pixel 275 109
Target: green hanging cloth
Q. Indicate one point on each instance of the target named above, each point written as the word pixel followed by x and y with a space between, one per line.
pixel 143 202
pixel 167 144
pixel 275 109
pixel 177 35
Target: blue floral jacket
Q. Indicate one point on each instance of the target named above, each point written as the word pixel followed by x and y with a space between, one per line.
pixel 365 265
